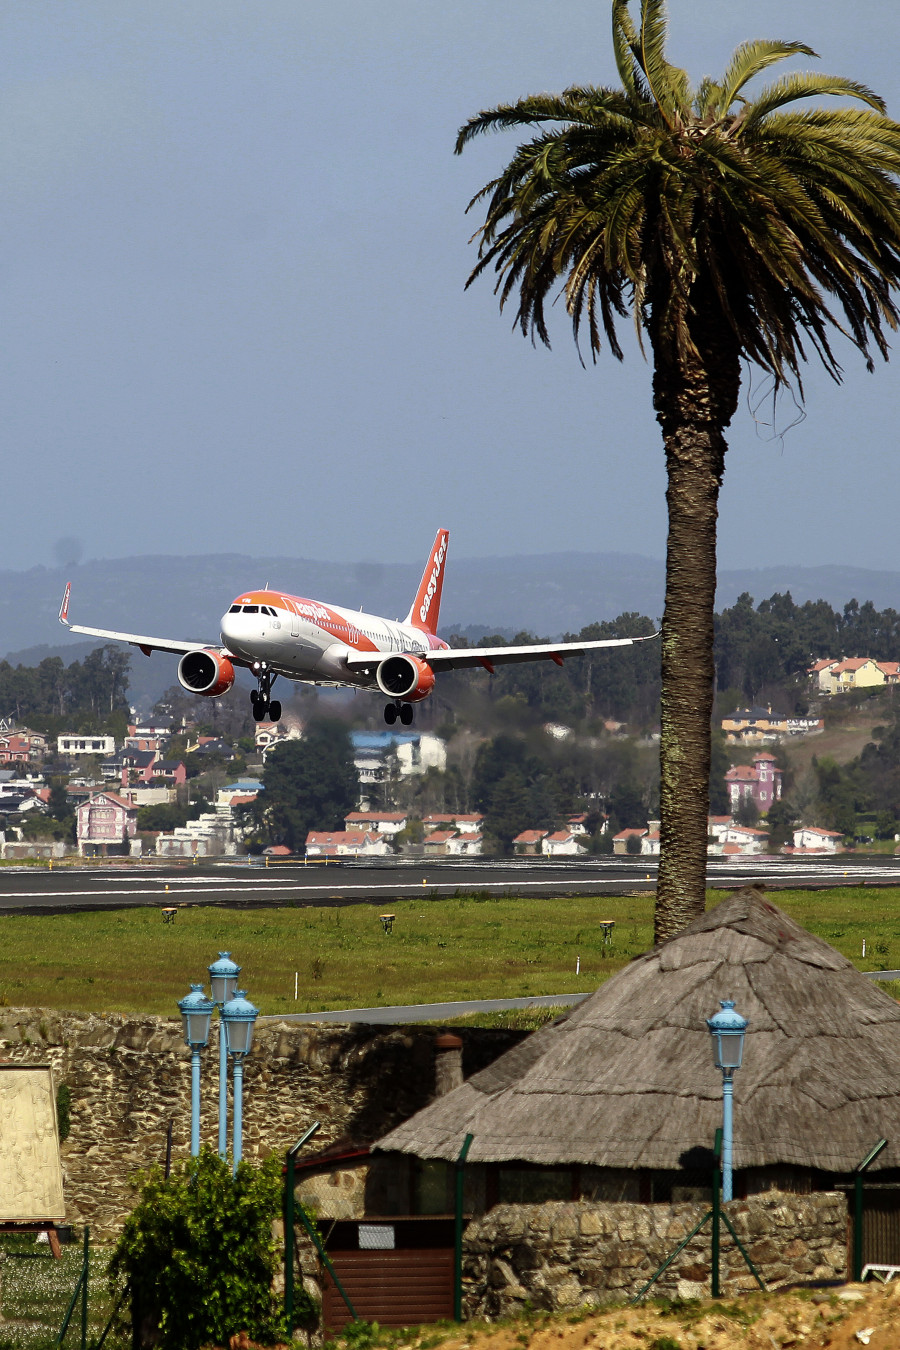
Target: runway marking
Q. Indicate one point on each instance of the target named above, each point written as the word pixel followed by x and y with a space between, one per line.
pixel 280 887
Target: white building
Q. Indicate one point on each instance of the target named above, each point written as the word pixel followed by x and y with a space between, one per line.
pixel 73 744
pixel 346 844
pixel 466 845
pixel 562 844
pixel 813 840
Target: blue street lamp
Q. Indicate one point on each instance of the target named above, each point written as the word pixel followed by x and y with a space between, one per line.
pixel 238 1015
pixel 223 978
pixel 196 1010
pixel 727 1029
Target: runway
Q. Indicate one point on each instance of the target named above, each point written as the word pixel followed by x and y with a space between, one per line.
pixel 247 883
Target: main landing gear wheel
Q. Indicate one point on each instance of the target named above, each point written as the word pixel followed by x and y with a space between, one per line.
pixel 264 709
pixel 390 714
pixel 406 715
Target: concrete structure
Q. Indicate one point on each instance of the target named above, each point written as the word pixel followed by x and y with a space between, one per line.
pixel 106 826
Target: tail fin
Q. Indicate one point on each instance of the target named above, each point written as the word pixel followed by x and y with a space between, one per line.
pixel 427 604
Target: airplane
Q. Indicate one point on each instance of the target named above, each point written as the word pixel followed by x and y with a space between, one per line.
pixel 270 633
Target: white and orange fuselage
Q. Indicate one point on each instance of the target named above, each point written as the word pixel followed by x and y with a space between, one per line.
pixel 308 640
pixel 274 634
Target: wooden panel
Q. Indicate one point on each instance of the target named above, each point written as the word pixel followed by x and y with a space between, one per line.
pixel 394 1288
pixel 881 1229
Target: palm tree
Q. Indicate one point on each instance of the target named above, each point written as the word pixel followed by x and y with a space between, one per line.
pixel 729 227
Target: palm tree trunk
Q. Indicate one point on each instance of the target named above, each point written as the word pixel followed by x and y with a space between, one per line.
pixel 693 407
pixel 687 679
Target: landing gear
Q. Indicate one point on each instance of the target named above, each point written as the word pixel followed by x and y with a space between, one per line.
pixel 265 709
pixel 402 710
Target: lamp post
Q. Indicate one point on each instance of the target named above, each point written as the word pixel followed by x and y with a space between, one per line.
pixel 238 1016
pixel 223 978
pixel 196 1010
pixel 727 1029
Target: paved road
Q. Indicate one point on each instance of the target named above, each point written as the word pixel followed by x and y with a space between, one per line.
pixel 238 884
pixel 430 1012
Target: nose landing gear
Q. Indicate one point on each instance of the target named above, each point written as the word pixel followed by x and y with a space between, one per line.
pixel 402 710
pixel 265 708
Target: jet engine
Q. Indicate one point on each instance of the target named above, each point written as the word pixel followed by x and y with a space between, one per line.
pixel 406 677
pixel 207 672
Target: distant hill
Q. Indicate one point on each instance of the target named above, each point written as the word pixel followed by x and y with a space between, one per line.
pixel 547 594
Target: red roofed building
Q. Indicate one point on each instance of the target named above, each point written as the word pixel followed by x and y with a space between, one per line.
pixel 346 844
pixel 436 842
pixel 810 839
pixel 562 844
pixel 106 825
pixel 380 822
pixel 620 840
pixel 759 782
pixel 528 843
pixel 465 824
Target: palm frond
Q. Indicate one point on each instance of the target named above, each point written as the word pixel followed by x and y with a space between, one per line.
pixel 669 85
pixel 626 48
pixel 804 85
pixel 749 60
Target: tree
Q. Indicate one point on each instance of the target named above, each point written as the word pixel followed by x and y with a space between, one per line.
pixel 731 227
pixel 309 784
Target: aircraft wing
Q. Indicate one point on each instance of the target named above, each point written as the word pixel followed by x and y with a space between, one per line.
pixel 489 657
pixel 146 644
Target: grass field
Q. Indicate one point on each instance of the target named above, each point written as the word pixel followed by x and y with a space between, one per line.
pixel 465 948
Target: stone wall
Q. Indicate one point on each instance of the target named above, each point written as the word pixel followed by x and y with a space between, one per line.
pixel 129 1077
pixel 560 1255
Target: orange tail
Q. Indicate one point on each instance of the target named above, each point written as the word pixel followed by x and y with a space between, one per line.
pixel 427 604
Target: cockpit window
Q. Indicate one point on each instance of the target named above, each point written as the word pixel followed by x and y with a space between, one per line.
pixel 251 609
pixel 235 609
pixel 267 609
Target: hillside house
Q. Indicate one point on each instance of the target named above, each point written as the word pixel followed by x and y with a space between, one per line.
pixel 811 839
pixel 347 844
pixel 464 824
pixel 742 839
pixel 528 843
pixel 464 845
pixel 562 844
pixel 435 843
pixel 755 726
pixel 106 824
pixel 620 840
pixel 377 822
pixel 22 746
pixel 72 744
pixel 856 672
pixel 759 782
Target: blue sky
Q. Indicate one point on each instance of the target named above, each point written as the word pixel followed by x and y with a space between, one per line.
pixel 232 262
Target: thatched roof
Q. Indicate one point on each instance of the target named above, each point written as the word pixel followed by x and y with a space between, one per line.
pixel 627 1078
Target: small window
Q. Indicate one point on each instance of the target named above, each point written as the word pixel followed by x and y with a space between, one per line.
pixel 235 609
pixel 251 609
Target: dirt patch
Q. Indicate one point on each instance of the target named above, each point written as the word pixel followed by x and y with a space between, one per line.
pixel 842 1319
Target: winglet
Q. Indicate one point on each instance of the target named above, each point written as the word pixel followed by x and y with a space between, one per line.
pixel 426 606
pixel 64 607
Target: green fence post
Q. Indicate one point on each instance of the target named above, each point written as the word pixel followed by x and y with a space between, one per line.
pixel 457 1261
pixel 84 1288
pixel 858 1207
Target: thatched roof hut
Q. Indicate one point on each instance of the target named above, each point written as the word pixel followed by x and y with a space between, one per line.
pixel 627 1079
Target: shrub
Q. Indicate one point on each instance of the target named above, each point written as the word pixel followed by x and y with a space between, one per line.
pixel 63 1111
pixel 199 1253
